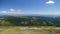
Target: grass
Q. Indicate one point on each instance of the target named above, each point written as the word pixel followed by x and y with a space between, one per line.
pixel 18 30
pixel 10 30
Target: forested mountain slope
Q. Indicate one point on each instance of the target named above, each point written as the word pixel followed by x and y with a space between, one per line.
pixel 29 21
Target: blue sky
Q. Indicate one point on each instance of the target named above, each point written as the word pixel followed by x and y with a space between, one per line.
pixel 12 7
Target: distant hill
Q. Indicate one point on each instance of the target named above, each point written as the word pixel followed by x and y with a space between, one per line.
pixel 29 21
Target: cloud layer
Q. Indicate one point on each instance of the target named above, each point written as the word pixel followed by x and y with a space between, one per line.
pixel 19 12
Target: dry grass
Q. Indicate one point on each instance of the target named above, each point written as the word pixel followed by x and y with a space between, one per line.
pixel 18 30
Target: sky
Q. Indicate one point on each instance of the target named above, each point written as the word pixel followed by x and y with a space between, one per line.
pixel 30 7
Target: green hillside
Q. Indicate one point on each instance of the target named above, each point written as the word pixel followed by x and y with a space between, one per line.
pixel 28 21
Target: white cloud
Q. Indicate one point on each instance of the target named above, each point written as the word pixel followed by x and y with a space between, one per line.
pixel 50 2
pixel 3 12
pixel 12 9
